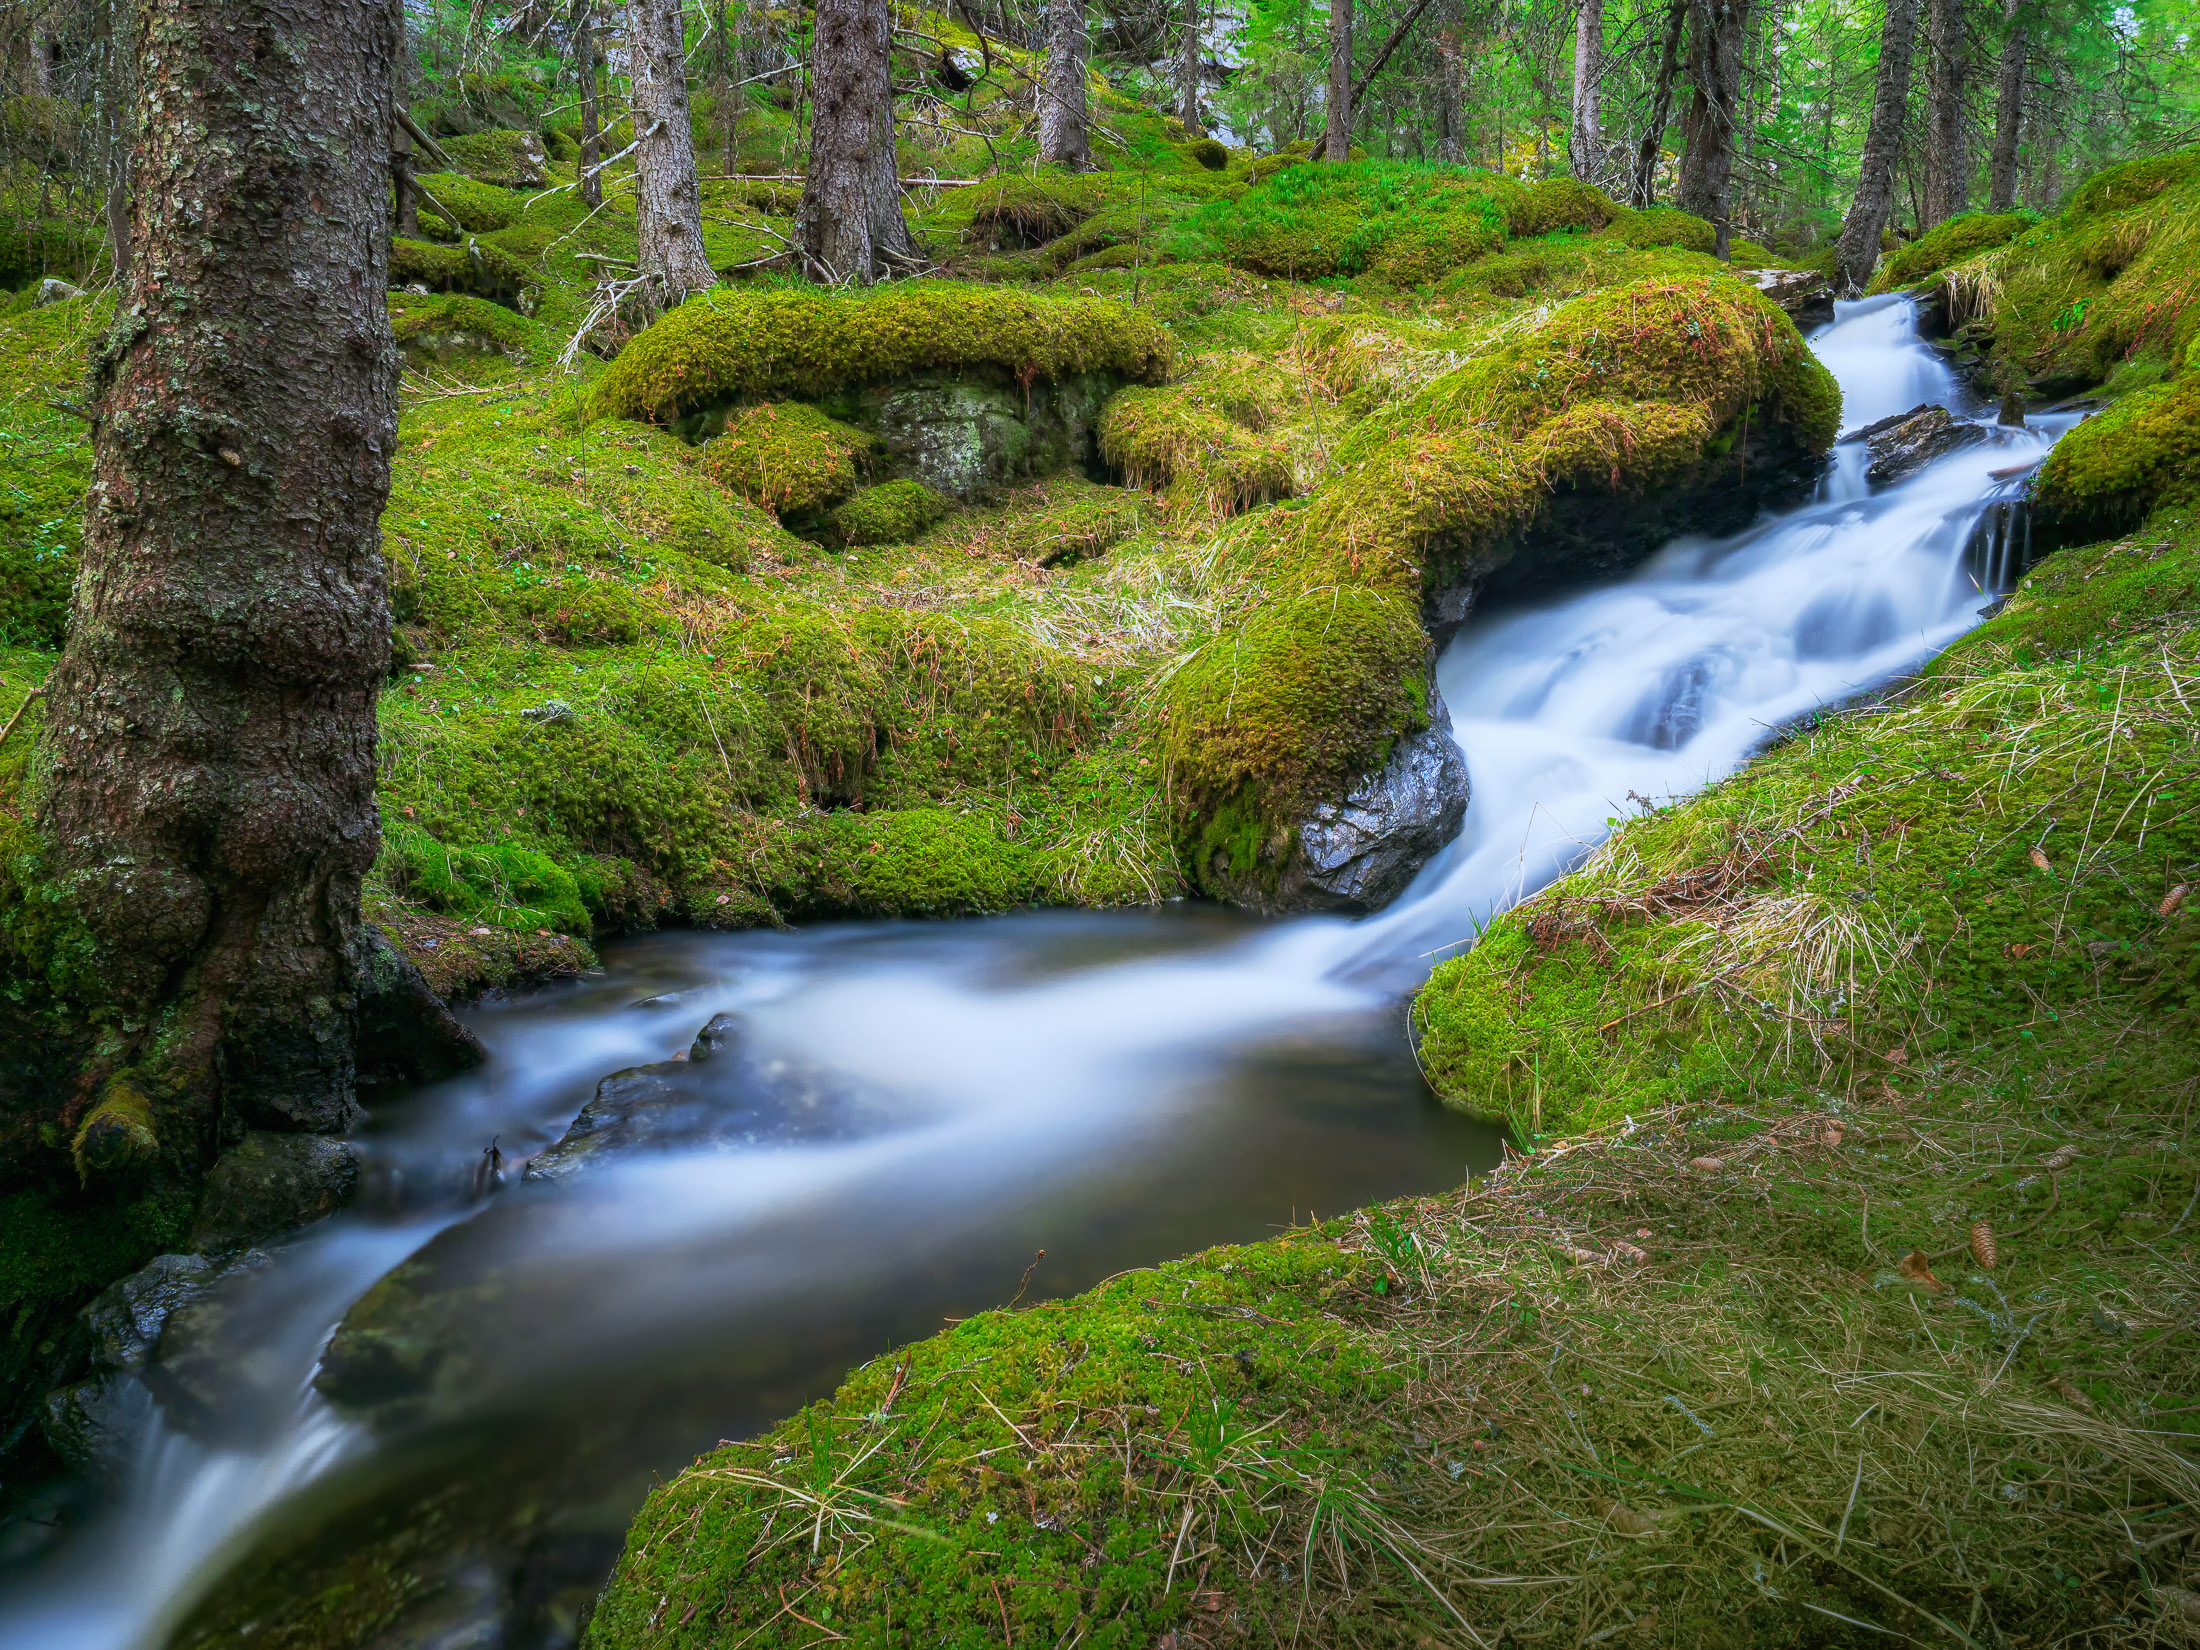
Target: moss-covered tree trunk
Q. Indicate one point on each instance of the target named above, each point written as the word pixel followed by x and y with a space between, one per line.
pixel 1337 132
pixel 209 750
pixel 1856 253
pixel 1064 135
pixel 850 224
pixel 1716 32
pixel 2001 188
pixel 668 193
pixel 1947 155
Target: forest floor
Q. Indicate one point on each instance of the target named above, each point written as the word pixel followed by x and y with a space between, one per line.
pixel 1844 1291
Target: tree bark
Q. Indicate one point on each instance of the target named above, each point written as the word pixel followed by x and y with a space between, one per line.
pixel 1856 252
pixel 850 224
pixel 210 733
pixel 1947 162
pixel 1643 186
pixel 2001 190
pixel 1451 103
pixel 117 125
pixel 668 194
pixel 1584 138
pixel 1187 71
pixel 584 59
pixel 1715 37
pixel 1064 138
pixel 1337 130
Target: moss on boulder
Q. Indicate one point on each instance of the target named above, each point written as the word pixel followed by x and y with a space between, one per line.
pixel 788 457
pixel 894 512
pixel 725 344
pixel 1962 236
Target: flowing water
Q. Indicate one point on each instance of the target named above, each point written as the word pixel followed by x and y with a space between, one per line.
pixel 1114 1089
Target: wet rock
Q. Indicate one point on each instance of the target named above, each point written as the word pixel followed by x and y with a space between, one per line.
pixel 269 1184
pixel 721 1095
pixel 93 1424
pixel 1359 853
pixel 969 437
pixel 1803 293
pixel 1903 444
pixel 407 1033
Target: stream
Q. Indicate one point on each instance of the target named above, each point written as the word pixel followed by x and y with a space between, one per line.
pixel 1113 1088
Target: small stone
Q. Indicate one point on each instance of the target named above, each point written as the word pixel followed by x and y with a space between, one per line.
pixel 1904 444
pixel 53 291
pixel 1707 1165
pixel 269 1184
pixel 550 710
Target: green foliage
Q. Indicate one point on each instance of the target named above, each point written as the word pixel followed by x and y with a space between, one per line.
pixel 788 457
pixel 33 247
pixel 725 344
pixel 1176 438
pixel 1404 222
pixel 894 512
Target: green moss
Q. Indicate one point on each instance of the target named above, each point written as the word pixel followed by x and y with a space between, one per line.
pixel 473 206
pixel 33 247
pixel 500 156
pixel 1209 153
pixel 119 1135
pixel 1556 204
pixel 1663 226
pixel 788 457
pixel 1405 222
pixel 485 271
pixel 1960 237
pixel 723 344
pixel 499 884
pixel 1061 520
pixel 2133 183
pixel 452 329
pixel 2114 469
pixel 894 512
pixel 1173 438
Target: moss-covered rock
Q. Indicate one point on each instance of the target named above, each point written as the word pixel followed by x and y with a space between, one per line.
pixel 1962 236
pixel 895 512
pixel 483 270
pixel 788 457
pixel 725 344
pixel 2112 471
pixel 1658 226
pixel 500 156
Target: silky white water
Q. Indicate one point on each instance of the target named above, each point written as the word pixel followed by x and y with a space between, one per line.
pixel 1115 1089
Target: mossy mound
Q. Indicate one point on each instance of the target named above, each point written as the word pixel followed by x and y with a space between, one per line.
pixel 1962 236
pixel 894 512
pixel 503 157
pixel 788 457
pixel 725 344
pixel 475 268
pixel 2103 289
pixel 2112 471
pixel 1060 521
pixel 452 327
pixel 468 204
pixel 1660 226
pixel 1209 462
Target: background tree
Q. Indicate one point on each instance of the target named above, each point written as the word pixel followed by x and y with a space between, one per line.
pixel 850 225
pixel 668 194
pixel 2001 189
pixel 1715 34
pixel 1947 156
pixel 1188 70
pixel 1063 138
pixel 1337 128
pixel 1856 254
pixel 209 745
pixel 1583 139
pixel 586 56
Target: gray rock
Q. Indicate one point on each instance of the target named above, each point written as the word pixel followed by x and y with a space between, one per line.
pixel 1360 852
pixel 721 1095
pixel 1803 293
pixel 1905 443
pixel 94 1424
pixel 52 291
pixel 269 1184
pixel 550 710
pixel 969 437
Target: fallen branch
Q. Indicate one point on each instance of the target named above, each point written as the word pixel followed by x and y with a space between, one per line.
pixel 35 693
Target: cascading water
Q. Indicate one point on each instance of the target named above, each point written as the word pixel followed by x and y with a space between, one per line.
pixel 1112 1088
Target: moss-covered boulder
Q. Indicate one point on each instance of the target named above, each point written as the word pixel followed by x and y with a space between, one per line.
pixel 788 457
pixel 895 512
pixel 2110 472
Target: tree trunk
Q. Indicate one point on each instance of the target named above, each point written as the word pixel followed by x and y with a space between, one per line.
pixel 1063 135
pixel 1584 139
pixel 1643 186
pixel 1715 36
pixel 850 224
pixel 117 122
pixel 584 57
pixel 668 195
pixel 1947 162
pixel 210 732
pixel 1451 103
pixel 1337 131
pixel 1187 71
pixel 403 191
pixel 1856 252
pixel 2001 191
